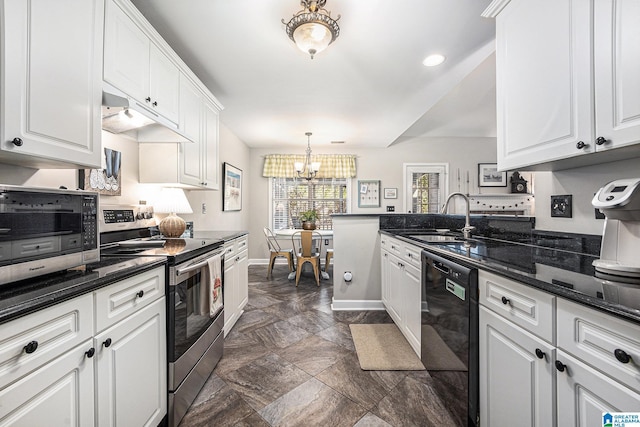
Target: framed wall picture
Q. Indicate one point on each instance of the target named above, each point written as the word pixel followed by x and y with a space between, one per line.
pixel 488 175
pixel 232 188
pixel 369 194
pixel 390 193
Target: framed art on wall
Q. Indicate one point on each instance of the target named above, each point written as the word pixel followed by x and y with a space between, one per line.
pixel 369 194
pixel 488 175
pixel 390 193
pixel 232 188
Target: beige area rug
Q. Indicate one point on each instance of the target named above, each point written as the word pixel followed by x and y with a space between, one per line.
pixel 382 347
pixel 437 354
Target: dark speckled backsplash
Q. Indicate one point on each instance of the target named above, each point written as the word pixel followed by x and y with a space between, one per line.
pixel 515 229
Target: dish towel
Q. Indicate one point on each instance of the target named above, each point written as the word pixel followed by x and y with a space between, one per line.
pixel 215 284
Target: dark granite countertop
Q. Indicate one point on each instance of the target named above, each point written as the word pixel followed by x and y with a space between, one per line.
pixel 219 234
pixel 551 263
pixel 29 295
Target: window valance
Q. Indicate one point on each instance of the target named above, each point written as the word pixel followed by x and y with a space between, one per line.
pixel 331 165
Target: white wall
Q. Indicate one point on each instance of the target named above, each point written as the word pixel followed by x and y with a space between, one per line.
pixel 384 164
pixel 582 183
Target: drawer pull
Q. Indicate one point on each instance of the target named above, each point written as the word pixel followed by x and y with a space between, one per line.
pixel 506 301
pixel 560 366
pixel 140 294
pixel 31 347
pixel 539 353
pixel 89 353
pixel 107 342
pixel 621 355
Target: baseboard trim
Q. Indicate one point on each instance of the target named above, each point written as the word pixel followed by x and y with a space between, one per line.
pixel 356 305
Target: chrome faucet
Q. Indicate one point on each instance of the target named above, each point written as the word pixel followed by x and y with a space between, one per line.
pixel 468 228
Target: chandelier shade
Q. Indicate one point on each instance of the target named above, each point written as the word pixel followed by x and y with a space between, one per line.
pixel 312 29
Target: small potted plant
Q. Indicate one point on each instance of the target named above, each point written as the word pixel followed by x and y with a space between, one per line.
pixel 308 219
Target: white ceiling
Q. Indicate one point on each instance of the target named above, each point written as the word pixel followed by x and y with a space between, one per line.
pixel 369 88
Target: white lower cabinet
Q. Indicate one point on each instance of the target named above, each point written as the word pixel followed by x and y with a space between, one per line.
pixel 401 283
pixel 547 361
pixel 236 281
pixel 515 384
pixel 60 393
pixel 584 394
pixel 98 359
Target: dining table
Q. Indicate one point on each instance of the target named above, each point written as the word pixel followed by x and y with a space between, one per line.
pixel 287 234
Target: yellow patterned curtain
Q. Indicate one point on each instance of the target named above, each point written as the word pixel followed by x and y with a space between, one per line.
pixel 331 165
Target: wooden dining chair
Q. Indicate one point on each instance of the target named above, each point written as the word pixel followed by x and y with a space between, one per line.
pixel 275 251
pixel 327 260
pixel 302 242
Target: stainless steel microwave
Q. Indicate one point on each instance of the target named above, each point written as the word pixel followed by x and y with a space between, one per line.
pixel 46 230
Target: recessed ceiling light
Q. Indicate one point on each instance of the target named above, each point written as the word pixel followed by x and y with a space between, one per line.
pixel 433 60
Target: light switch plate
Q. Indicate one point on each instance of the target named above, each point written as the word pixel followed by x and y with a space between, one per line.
pixel 561 206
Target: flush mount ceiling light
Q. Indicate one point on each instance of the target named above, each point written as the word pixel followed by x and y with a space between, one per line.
pixel 433 60
pixel 312 29
pixel 307 170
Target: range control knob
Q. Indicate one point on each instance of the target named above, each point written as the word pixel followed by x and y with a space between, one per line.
pixel 140 215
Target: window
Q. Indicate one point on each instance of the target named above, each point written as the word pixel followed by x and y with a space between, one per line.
pixel 425 186
pixel 290 196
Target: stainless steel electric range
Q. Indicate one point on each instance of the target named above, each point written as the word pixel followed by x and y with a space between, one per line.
pixel 194 336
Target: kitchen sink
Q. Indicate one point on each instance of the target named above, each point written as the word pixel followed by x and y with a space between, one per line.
pixel 435 238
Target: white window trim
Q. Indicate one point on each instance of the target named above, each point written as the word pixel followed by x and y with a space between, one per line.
pixel 410 168
pixel 270 198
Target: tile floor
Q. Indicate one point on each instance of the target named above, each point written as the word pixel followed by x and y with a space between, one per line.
pixel 290 361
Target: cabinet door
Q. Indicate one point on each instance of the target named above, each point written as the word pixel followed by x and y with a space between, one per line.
pixel 230 293
pixel 584 394
pixel 544 81
pixel 384 278
pixel 395 275
pixel 132 369
pixel 242 271
pixel 412 295
pixel 210 145
pixel 617 63
pixel 51 82
pixel 61 392
pixel 516 387
pixel 126 54
pixel 191 172
pixel 164 85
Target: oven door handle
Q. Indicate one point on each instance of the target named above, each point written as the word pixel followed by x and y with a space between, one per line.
pixel 197 266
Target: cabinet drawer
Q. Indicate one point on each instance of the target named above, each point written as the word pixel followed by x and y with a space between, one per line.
pixel 235 246
pixel 412 255
pixel 51 332
pixel 594 337
pixel 527 307
pixel 393 246
pixel 117 301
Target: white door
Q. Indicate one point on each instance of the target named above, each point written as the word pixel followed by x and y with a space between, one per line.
pixel 132 369
pixel 412 316
pixel 384 278
pixel 544 81
pixel 584 394
pixel 51 81
pixel 190 120
pixel 396 277
pixel 230 293
pixel 242 271
pixel 60 393
pixel 516 386
pixel 617 65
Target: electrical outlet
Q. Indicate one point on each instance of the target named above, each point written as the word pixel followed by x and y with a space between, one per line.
pixel 391 208
pixel 204 208
pixel 561 206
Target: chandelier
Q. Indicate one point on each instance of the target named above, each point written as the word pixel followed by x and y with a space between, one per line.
pixel 307 170
pixel 312 29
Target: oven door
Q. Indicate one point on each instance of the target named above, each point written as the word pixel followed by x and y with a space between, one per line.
pixel 188 314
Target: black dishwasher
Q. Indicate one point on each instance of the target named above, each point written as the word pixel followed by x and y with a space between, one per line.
pixel 450 334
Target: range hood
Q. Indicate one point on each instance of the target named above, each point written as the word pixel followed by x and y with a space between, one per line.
pixel 124 115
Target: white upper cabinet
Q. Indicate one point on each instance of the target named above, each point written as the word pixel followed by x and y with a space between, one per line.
pixel 617 67
pixel 555 107
pixel 51 83
pixel 137 67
